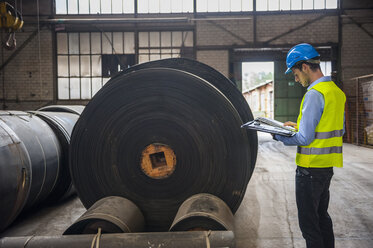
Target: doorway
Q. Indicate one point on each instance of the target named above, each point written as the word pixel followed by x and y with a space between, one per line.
pixel 257 87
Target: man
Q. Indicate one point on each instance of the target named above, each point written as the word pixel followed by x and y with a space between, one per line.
pixel 320 127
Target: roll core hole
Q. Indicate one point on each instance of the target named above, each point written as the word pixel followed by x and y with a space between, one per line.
pixel 158 160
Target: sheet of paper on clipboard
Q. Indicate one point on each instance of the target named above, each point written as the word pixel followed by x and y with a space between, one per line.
pixel 266 125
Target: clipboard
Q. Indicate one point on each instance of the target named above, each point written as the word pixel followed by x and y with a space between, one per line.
pixel 263 127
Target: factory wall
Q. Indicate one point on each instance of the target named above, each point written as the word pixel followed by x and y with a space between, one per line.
pixel 217 59
pixel 357 48
pixel 27 81
pixel 275 30
pixel 323 29
pixel 214 42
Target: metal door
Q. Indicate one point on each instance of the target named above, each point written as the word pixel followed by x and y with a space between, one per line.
pixel 288 94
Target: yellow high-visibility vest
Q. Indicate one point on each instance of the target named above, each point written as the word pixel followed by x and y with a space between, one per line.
pixel 326 149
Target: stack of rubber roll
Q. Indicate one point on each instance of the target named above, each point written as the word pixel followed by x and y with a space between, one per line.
pixel 34 158
pixel 203 212
pixel 161 132
pixel 115 214
pixel 117 222
pixel 111 214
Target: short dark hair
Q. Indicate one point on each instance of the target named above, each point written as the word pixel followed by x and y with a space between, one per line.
pixel 313 66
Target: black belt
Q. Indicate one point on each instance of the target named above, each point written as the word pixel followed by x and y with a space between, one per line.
pixel 308 171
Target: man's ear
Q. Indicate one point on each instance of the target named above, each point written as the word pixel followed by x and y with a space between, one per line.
pixel 305 67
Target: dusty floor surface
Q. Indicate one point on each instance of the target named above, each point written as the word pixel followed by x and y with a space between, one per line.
pixel 267 216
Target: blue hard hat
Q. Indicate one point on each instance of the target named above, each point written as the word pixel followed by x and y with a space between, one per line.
pixel 298 53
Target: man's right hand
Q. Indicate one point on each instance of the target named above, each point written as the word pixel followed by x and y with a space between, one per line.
pixel 291 124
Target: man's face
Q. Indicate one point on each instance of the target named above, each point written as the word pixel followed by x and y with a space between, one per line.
pixel 301 77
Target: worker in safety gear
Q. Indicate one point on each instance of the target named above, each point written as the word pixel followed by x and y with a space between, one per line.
pixel 320 128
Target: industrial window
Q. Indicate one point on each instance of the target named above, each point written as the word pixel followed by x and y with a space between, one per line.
pixel 224 5
pixel 114 63
pixel 275 5
pixel 165 6
pixel 74 7
pixel 166 44
pixel 86 61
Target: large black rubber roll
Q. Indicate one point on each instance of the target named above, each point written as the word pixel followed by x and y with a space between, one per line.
pixel 156 137
pixel 43 149
pixel 62 124
pixel 112 214
pixel 203 212
pixel 15 175
pixel 215 78
pixel 74 109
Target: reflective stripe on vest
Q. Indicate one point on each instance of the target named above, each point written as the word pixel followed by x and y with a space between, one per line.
pixel 319 151
pixel 327 135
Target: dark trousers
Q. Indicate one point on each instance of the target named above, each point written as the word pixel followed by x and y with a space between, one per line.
pixel 312 195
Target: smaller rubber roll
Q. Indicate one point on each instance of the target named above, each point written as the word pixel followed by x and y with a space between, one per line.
pixel 203 212
pixel 112 214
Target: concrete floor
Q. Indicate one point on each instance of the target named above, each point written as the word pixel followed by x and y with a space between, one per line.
pixel 267 216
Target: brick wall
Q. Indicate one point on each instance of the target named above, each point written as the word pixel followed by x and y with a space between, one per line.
pixel 28 81
pixel 357 50
pixel 321 30
pixel 217 59
pixel 227 32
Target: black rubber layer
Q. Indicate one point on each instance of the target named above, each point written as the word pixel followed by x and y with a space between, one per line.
pixel 215 78
pixel 15 175
pixel 62 124
pixel 160 105
pixel 43 149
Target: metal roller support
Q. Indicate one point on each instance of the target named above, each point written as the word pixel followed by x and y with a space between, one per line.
pixel 112 214
pixel 214 239
pixel 43 149
pixel 62 124
pixel 203 212
pixel 74 109
pixel 157 136
pixel 15 175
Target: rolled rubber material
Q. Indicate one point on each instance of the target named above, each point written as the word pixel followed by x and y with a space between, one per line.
pixel 170 109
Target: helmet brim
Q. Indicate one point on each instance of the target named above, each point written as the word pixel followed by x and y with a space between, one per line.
pixel 288 71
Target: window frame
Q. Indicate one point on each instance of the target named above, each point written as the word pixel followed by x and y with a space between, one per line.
pixel 101 80
pixel 65 52
pixel 251 9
